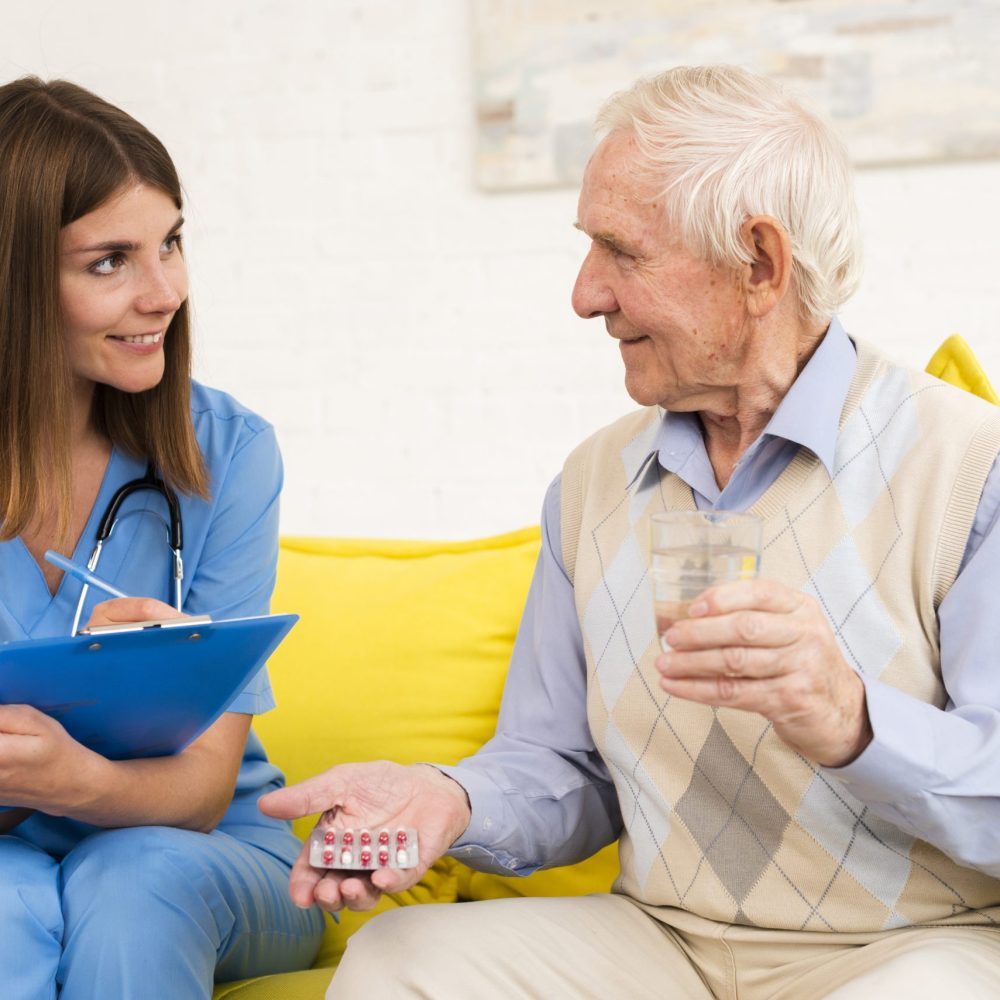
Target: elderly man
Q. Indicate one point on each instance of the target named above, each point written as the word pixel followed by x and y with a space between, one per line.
pixel 806 784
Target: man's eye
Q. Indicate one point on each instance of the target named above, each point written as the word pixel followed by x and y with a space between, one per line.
pixel 616 251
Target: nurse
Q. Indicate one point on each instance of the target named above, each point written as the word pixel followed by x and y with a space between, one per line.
pixel 134 878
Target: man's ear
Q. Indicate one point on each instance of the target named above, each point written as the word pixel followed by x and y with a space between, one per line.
pixel 768 275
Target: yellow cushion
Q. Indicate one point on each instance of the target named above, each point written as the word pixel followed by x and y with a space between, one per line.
pixel 309 984
pixel 954 362
pixel 593 875
pixel 401 650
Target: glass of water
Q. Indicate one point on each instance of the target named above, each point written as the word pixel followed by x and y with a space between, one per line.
pixel 694 550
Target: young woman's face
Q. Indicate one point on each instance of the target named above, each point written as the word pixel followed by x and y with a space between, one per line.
pixel 122 277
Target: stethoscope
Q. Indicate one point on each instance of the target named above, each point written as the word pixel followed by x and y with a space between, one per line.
pixel 110 518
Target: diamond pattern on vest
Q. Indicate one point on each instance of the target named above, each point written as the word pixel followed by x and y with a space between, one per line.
pixel 875 852
pixel 638 794
pixel 732 816
pixel 619 622
pixel 873 443
pixel 843 586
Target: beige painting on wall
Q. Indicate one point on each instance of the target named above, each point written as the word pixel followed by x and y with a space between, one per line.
pixel 903 80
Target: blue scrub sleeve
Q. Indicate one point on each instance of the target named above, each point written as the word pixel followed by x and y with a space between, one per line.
pixel 236 570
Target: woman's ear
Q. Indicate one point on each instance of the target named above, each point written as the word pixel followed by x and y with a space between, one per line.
pixel 768 275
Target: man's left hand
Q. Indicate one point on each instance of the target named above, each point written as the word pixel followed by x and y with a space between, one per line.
pixel 763 647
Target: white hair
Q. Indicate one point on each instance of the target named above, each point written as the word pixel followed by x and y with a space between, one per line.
pixel 728 145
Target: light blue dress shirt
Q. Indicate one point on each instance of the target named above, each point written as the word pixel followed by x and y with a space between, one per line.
pixel 230 553
pixel 540 793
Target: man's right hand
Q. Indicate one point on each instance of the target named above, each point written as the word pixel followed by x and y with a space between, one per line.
pixel 377 794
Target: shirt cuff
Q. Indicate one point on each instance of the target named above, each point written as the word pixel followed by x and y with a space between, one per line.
pixel 900 758
pixel 473 848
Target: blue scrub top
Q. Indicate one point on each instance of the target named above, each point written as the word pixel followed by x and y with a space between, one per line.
pixel 230 554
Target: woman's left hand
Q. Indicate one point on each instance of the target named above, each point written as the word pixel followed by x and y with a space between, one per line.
pixel 41 765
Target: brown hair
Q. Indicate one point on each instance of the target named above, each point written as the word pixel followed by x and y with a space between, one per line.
pixel 63 153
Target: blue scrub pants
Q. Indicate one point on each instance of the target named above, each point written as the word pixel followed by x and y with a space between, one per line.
pixel 146 911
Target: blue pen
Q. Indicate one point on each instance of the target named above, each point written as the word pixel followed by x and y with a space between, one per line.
pixel 82 573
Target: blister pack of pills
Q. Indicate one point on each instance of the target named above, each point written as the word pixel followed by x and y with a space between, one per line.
pixel 363 850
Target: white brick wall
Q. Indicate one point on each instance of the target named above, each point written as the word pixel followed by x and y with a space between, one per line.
pixel 411 337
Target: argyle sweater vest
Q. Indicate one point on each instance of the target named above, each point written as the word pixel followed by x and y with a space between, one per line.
pixel 721 818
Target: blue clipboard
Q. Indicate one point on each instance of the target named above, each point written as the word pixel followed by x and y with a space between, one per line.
pixel 145 692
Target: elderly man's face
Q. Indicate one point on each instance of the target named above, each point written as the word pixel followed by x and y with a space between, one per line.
pixel 679 320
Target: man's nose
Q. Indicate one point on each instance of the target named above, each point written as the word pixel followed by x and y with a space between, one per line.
pixel 592 294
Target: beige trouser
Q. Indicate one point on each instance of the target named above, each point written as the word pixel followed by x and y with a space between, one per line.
pixel 608 947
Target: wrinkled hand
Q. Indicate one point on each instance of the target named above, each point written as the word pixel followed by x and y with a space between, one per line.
pixel 123 610
pixel 374 795
pixel 41 765
pixel 763 647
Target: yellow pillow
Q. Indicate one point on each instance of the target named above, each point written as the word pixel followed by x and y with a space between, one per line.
pixel 401 650
pixel 954 362
pixel 593 875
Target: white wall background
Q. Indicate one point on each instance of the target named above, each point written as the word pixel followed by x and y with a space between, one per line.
pixel 411 337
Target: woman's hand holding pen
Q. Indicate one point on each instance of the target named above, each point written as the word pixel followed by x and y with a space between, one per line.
pixel 123 610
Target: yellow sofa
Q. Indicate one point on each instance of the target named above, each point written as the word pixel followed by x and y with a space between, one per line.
pixel 401 653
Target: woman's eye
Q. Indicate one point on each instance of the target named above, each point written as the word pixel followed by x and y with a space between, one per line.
pixel 107 265
pixel 171 243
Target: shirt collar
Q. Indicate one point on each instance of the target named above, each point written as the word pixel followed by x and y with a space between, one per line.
pixel 809 414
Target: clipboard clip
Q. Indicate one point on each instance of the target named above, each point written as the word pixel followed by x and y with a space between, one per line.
pixel 153 623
